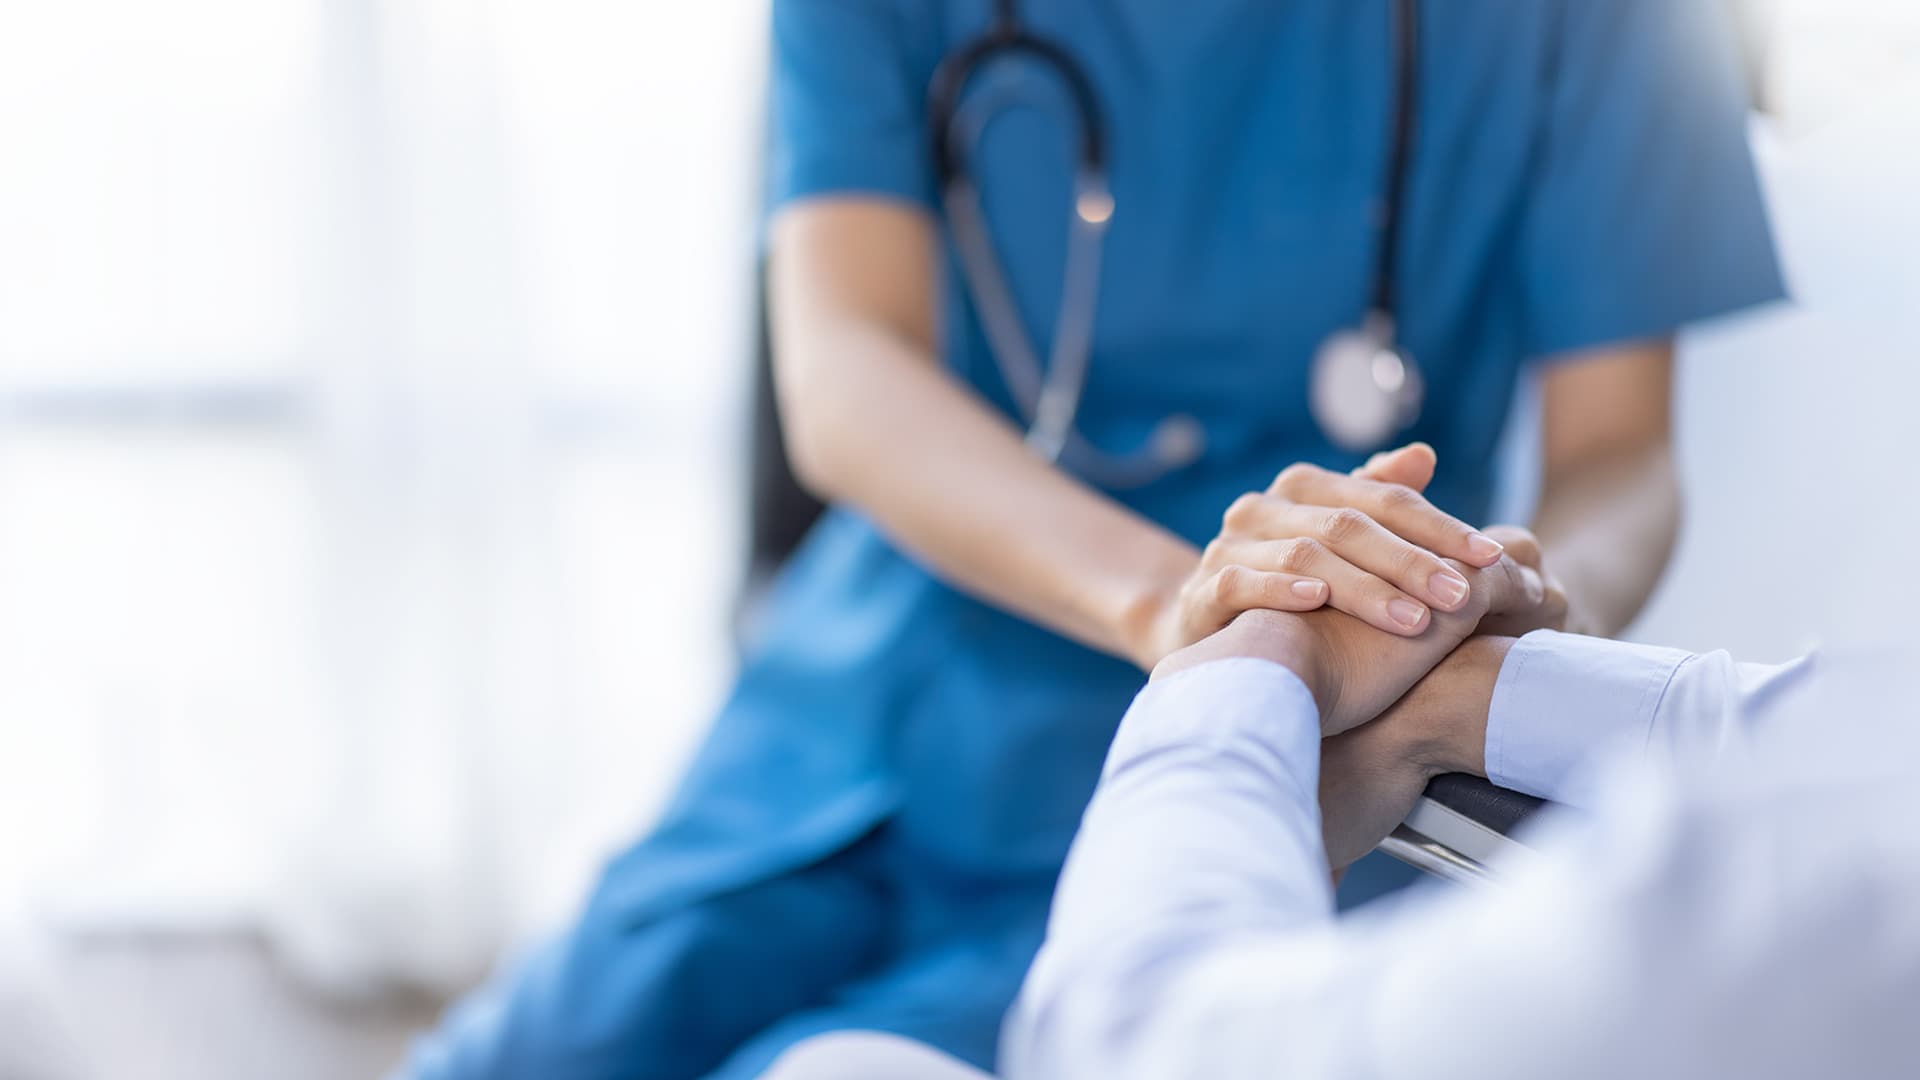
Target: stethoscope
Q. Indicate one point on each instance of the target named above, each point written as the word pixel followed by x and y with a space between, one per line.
pixel 1364 385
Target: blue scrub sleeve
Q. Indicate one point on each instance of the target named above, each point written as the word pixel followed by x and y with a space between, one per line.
pixel 1646 212
pixel 849 99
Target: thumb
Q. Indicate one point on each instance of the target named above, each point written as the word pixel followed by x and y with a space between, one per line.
pixel 1411 465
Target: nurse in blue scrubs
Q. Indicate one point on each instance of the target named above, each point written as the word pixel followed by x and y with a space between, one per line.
pixel 870 836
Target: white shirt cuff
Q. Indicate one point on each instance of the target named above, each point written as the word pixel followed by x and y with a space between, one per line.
pixel 1564 703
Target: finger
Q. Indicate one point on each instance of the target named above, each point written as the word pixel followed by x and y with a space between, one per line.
pixel 1349 588
pixel 1235 588
pixel 1295 475
pixel 1508 586
pixel 1397 506
pixel 1550 614
pixel 1412 465
pixel 1519 543
pixel 1370 546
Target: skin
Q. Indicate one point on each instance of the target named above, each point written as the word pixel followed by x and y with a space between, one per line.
pixel 874 422
pixel 1371 776
pixel 1609 508
pixel 1356 672
pixel 1430 695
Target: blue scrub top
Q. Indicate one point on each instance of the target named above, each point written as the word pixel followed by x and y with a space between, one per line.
pixel 1580 175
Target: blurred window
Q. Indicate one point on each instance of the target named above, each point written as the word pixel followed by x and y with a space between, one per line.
pixel 370 374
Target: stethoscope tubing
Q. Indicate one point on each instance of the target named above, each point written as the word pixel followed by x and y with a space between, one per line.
pixel 1048 397
pixel 1406 105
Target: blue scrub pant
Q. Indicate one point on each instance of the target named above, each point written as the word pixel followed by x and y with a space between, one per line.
pixel 868 939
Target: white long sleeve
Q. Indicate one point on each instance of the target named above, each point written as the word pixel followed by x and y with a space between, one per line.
pixel 1565 708
pixel 1743 902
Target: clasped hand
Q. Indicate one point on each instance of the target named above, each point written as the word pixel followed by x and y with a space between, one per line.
pixel 1361 672
pixel 1367 543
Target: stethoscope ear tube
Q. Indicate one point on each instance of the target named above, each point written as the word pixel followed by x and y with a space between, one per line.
pixel 1060 393
pixel 1364 387
pixel 1047 401
pixel 1047 398
pixel 947 92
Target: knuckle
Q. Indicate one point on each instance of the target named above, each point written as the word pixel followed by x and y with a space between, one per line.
pixel 1241 512
pixel 1228 582
pixel 1293 476
pixel 1411 562
pixel 1529 549
pixel 1400 497
pixel 1342 525
pixel 1523 555
pixel 1517 584
pixel 1519 542
pixel 1298 554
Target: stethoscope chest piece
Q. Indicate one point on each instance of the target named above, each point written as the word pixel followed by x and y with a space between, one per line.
pixel 1364 389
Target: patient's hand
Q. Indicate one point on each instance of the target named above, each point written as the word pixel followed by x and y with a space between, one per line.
pixel 1371 776
pixel 1550 613
pixel 1355 671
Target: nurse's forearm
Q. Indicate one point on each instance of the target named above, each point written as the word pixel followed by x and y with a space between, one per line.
pixel 1607 530
pixel 873 421
pixel 954 484
pixel 1609 503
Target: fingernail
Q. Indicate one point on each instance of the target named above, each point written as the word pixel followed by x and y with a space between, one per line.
pixel 1406 613
pixel 1312 591
pixel 1450 587
pixel 1484 548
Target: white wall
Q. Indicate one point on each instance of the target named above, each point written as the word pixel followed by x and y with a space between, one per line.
pixel 1799 427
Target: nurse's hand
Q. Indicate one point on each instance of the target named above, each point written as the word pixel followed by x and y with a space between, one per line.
pixel 1368 544
pixel 1355 671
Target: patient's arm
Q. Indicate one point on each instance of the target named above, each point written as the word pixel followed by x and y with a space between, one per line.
pixel 1532 716
pixel 1192 932
pixel 1371 776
